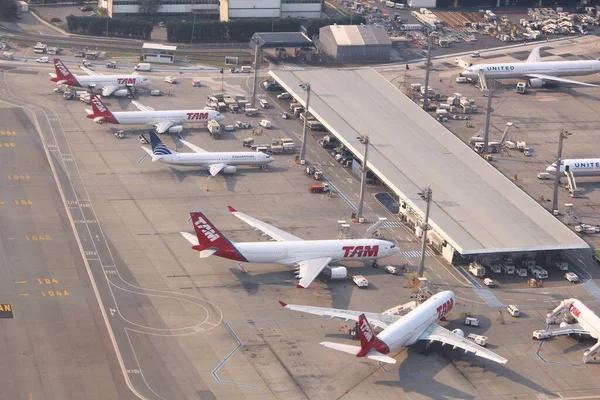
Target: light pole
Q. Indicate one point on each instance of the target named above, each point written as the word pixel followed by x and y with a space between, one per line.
pixel 426 98
pixel 256 65
pixel 364 139
pixel 563 135
pixel 306 87
pixel 426 195
pixel 488 118
pixel 193 29
pixel 107 18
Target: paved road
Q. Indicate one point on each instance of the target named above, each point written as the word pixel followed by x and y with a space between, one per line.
pixel 135 328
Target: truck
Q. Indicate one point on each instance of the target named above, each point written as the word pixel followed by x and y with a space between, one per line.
pixel 318 188
pixel 360 281
pixel 143 67
pixel 477 270
pixel 315 126
pixel 509 267
pixel 294 104
pixel 7 55
pixel 478 339
pixel 329 142
pixel 471 321
pixel 562 265
pixel 214 128
pixel 314 173
pixel 521 272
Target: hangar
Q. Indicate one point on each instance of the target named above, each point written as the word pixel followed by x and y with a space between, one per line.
pixel 475 209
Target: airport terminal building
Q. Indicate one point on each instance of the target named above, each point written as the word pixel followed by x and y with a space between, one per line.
pixel 476 211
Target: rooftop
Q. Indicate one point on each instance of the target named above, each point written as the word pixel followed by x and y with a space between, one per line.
pixel 158 46
pixel 271 40
pixel 357 35
pixel 476 208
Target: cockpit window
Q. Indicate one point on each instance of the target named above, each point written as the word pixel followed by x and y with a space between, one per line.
pixel 392 246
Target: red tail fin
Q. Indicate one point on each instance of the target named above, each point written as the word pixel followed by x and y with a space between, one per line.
pixel 63 74
pixel 368 339
pixel 100 110
pixel 209 237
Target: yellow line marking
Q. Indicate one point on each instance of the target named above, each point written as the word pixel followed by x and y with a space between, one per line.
pixel 23 294
pixel 11 238
pixel 20 281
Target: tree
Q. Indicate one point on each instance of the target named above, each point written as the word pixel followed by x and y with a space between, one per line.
pixel 8 10
pixel 149 6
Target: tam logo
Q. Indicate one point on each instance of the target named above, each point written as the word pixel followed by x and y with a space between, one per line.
pixel 197 116
pixel 126 81
pixel 574 311
pixel 366 330
pixel 445 308
pixel 62 69
pixel 207 230
pixel 98 104
pixel 360 251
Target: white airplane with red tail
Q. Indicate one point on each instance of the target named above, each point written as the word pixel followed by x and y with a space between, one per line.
pixel 309 256
pixel 116 85
pixel 400 330
pixel 163 120
pixel 588 323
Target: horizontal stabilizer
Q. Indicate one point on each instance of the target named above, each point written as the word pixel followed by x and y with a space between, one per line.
pixel 52 75
pixel 373 354
pixel 207 253
pixel 190 238
pixel 88 111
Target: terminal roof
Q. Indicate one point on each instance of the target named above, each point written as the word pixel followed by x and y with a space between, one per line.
pixel 475 208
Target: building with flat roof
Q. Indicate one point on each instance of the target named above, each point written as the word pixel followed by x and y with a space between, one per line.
pixel 232 9
pixel 475 209
pixel 355 43
pixel 158 53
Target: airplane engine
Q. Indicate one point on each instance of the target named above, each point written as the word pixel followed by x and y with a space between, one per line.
pixel 336 272
pixel 176 129
pixel 121 93
pixel 230 169
pixel 459 332
pixel 535 83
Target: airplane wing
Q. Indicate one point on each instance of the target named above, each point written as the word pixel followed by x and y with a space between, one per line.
pixel 560 80
pixel 267 230
pixel 162 127
pixel 142 107
pixel 216 168
pixel 310 269
pixel 108 90
pixel 379 320
pixel 89 71
pixel 534 56
pixel 192 146
pixel 436 333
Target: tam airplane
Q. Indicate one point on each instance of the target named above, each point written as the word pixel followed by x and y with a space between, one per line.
pixel 309 256
pixel 537 72
pixel 116 85
pixel 419 324
pixel 163 120
pixel 579 167
pixel 588 323
pixel 216 162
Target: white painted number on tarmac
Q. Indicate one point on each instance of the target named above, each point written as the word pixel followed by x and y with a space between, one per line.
pixel 112 311
pixel 134 371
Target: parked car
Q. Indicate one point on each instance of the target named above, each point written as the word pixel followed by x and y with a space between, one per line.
pixel 86 8
pixel 284 96
pixel 42 60
pixel 572 277
pixel 475 55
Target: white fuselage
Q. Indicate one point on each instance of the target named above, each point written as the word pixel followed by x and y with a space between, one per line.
pixel 586 318
pixel 122 81
pixel 175 117
pixel 211 158
pixel 579 167
pixel 525 69
pixel 407 330
pixel 291 252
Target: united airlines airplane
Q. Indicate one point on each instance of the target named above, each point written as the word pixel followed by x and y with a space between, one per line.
pixel 537 72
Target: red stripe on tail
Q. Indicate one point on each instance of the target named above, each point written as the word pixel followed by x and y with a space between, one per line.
pixel 209 237
pixel 368 339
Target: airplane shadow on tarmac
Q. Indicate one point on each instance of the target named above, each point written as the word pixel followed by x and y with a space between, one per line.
pixel 419 368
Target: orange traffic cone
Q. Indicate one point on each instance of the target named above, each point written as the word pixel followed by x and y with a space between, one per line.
pixel 207 188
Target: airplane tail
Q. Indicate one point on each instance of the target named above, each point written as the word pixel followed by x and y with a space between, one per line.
pixel 211 240
pixel 158 147
pixel 63 75
pixel 370 345
pixel 100 113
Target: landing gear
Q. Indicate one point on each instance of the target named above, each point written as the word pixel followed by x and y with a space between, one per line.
pixel 264 168
pixel 374 264
pixel 353 332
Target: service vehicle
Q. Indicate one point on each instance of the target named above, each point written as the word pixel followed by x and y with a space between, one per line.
pixel 521 272
pixel 214 128
pixel 155 92
pixel 284 96
pixel 471 321
pixel 229 128
pixel 572 277
pixel 42 60
pixel 360 281
pixel 196 82
pixel 319 188
pixel 513 310
pixel 265 123
pixel 562 265
pixel 143 67
pixel 111 64
pixel 496 268
pixel 477 270
pixel 509 267
pixel 390 269
pixel 478 339
pixel 170 79
pixel 250 112
pixel 246 69
pixel 264 103
pixel 489 282
pixel 243 125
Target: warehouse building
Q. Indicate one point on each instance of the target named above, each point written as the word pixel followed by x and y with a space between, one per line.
pixel 475 212
pixel 158 53
pixel 355 43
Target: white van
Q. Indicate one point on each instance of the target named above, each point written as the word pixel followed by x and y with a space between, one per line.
pixel 246 69
pixel 143 67
pixel 513 310
pixel 264 103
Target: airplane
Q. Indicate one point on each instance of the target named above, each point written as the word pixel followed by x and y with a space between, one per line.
pixel 579 167
pixel 588 323
pixel 163 121
pixel 537 72
pixel 216 162
pixel 116 85
pixel 309 256
pixel 398 331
